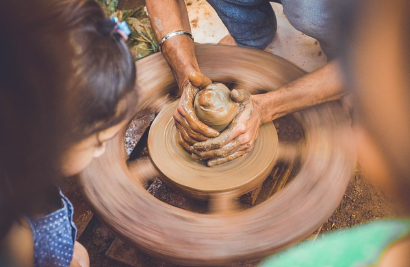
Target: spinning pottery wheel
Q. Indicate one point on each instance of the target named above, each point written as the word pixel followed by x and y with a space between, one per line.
pixel 115 187
pixel 233 178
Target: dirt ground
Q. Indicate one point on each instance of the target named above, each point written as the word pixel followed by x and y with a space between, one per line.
pixel 362 202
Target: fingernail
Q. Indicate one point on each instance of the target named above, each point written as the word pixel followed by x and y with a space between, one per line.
pixel 235 93
pixel 195 157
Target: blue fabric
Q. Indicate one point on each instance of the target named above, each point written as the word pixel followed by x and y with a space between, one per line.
pixel 315 18
pixel 54 236
pixel 252 23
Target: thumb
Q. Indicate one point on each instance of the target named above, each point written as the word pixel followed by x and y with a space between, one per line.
pixel 199 80
pixel 240 95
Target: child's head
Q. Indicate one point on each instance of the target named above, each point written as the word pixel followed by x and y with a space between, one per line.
pixel 378 65
pixel 101 87
pixel 66 87
pixel 34 79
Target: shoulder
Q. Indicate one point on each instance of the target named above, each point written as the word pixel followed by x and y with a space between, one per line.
pixel 19 244
pixel 397 255
pixel 348 247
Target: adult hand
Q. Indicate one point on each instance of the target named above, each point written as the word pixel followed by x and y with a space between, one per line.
pixel 191 129
pixel 237 139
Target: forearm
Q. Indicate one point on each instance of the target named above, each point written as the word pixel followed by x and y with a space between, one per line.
pixel 74 263
pixel 322 85
pixel 167 16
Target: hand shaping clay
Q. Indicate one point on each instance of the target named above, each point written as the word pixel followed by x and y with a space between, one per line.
pixel 214 106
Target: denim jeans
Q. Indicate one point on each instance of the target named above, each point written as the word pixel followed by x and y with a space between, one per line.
pixel 252 23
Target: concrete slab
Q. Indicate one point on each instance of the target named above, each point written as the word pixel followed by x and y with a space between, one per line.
pixel 289 43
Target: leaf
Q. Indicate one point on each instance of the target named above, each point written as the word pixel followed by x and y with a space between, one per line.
pixel 140 13
pixel 140 51
pixel 142 40
pixel 127 13
pixel 109 6
pixel 119 14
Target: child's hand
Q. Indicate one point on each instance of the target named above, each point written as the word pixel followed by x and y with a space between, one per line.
pixel 80 256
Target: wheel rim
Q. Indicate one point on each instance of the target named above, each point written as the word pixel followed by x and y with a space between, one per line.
pixel 115 190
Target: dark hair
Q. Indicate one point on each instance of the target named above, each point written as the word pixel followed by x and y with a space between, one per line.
pixel 33 88
pixel 64 75
pixel 104 71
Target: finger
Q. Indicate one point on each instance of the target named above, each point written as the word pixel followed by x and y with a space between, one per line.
pixel 218 161
pixel 188 112
pixel 186 102
pixel 214 143
pixel 223 152
pixel 183 143
pixel 177 113
pixel 187 139
pixel 249 137
pixel 199 80
pixel 218 142
pixel 196 125
pixel 246 147
pixel 195 157
pixel 226 136
pixel 180 119
pixel 240 95
pixel 190 90
pixel 191 133
pixel 187 97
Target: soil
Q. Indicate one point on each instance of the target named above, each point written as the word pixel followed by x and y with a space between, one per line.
pixel 362 202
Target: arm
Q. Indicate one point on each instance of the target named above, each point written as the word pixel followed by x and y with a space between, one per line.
pixel 167 16
pixel 322 85
pixel 19 244
pixel 74 263
pixel 80 256
pixel 396 255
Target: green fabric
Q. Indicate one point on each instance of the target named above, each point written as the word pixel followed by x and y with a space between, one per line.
pixel 354 247
pixel 5 260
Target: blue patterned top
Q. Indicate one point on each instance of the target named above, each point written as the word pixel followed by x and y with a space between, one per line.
pixel 54 236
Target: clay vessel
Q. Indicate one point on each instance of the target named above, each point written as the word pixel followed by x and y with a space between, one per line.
pixel 214 107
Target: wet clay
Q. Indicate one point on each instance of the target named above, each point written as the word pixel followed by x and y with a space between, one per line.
pixel 214 106
pixel 115 188
pixel 195 178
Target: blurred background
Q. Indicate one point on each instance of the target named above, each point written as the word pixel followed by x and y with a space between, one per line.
pixel 362 202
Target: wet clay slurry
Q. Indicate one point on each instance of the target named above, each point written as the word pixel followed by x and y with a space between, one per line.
pixel 179 170
pixel 115 187
pixel 214 106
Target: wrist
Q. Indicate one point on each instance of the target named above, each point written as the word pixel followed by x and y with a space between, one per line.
pixel 179 48
pixel 182 77
pixel 259 106
pixel 173 34
pixel 179 52
pixel 269 106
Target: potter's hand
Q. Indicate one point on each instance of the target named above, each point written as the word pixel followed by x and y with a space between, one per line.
pixel 237 139
pixel 191 129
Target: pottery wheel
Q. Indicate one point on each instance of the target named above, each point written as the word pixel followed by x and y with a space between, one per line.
pixel 114 187
pixel 195 178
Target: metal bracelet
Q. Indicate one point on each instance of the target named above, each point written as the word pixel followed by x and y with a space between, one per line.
pixel 173 34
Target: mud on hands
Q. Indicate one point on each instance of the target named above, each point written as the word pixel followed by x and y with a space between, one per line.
pixel 191 129
pixel 236 140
